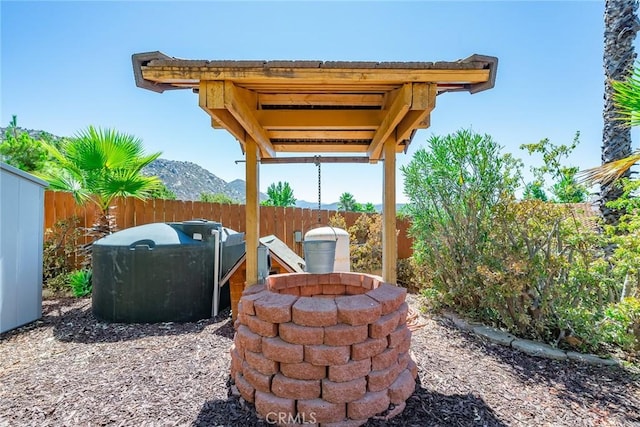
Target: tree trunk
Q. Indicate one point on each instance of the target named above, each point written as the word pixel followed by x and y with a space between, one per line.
pixel 620 27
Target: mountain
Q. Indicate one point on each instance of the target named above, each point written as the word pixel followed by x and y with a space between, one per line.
pixel 241 186
pixel 188 180
pixel 314 205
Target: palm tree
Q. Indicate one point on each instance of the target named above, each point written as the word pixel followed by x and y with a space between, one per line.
pixel 98 166
pixel 280 194
pixel 347 202
pixel 627 99
pixel 621 25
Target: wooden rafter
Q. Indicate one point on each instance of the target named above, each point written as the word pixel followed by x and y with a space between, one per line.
pixel 399 106
pixel 238 103
pixel 319 119
pixel 321 99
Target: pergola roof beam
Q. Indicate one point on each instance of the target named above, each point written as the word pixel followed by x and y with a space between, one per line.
pixel 398 108
pixel 319 120
pixel 315 159
pixel 236 102
pixel 321 99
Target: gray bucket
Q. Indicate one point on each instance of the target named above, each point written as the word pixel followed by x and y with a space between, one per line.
pixel 319 255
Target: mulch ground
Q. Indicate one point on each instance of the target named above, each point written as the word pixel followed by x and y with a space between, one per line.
pixel 69 369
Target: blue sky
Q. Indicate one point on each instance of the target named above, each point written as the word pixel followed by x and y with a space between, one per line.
pixel 67 65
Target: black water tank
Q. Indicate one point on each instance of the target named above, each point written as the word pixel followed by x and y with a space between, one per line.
pixel 154 273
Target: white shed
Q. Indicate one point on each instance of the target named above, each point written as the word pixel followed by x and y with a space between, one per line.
pixel 21 239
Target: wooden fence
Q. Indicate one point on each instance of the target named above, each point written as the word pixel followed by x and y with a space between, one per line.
pixel 279 221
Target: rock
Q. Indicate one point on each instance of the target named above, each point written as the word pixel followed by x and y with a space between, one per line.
pixel 591 359
pixel 494 335
pixel 537 349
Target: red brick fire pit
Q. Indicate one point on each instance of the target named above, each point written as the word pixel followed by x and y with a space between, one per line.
pixel 331 349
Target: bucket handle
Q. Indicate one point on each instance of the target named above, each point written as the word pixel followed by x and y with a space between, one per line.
pixel 327 225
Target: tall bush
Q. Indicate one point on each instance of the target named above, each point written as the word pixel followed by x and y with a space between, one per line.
pixel 528 266
pixel 453 186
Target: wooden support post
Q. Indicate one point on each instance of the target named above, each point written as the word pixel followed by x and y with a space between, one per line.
pixel 389 239
pixel 252 210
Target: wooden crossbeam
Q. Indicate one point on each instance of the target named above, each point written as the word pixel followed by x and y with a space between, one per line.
pixel 321 134
pixel 314 159
pixel 322 99
pixel 320 147
pixel 319 119
pixel 394 114
pixel 237 103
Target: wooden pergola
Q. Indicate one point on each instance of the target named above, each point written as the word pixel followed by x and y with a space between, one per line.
pixel 358 111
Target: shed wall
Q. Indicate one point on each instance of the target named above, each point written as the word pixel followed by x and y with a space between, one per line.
pixel 21 237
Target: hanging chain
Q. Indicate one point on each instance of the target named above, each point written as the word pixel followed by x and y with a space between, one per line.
pixel 319 189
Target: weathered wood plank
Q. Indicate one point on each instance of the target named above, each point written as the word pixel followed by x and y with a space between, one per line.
pixel 395 112
pixel 238 102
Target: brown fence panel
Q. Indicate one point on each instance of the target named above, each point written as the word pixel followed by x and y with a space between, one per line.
pixel 267 220
pixel 150 211
pixel 241 217
pixel 297 225
pixel 184 211
pixel 226 216
pixel 138 206
pixel 278 223
pixel 159 205
pixel 49 209
pixel 405 242
pixel 171 207
pixel 281 222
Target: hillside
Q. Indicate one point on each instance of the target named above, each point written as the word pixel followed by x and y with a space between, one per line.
pixel 188 180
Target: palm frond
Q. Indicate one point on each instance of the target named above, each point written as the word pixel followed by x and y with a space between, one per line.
pixel 65 180
pixel 608 172
pixel 626 97
pixel 126 183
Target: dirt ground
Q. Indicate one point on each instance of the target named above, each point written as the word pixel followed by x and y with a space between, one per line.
pixel 69 369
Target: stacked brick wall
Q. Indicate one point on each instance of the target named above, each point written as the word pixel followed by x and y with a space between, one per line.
pixel 329 348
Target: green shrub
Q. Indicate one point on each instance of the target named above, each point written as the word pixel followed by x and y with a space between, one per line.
pixel 544 273
pixel 528 266
pixel 60 253
pixel 80 282
pixel 621 324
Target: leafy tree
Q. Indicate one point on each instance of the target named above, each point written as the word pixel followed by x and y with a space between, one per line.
pixel 97 166
pixel 534 191
pixel 280 194
pixel 566 188
pixel 21 150
pixel 216 198
pixel 162 192
pixel 347 203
